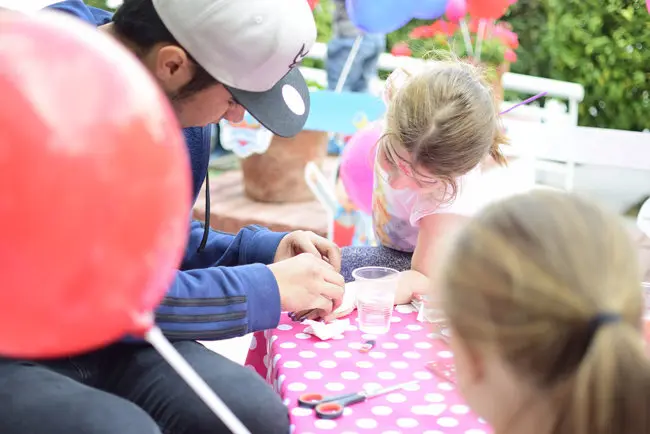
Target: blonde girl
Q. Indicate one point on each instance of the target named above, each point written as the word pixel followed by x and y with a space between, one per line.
pixel 542 292
pixel 441 124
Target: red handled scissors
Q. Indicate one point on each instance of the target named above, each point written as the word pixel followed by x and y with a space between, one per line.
pixel 331 407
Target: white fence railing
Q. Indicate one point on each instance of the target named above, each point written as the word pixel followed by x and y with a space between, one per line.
pixel 555 112
pixel 573 93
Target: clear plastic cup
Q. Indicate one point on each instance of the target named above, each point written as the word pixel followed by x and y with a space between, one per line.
pixel 376 288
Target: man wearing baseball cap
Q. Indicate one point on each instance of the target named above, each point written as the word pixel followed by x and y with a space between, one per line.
pixel 214 59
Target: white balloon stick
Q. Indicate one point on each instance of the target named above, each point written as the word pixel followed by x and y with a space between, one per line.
pixel 158 340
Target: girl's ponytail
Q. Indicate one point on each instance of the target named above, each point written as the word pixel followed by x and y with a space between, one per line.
pixel 495 151
pixel 610 392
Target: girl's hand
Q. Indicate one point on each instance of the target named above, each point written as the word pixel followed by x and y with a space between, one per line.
pixel 411 284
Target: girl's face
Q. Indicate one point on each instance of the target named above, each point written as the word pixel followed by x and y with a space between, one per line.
pixel 473 379
pixel 399 173
pixel 492 389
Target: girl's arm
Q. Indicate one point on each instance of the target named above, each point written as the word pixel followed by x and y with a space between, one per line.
pixel 433 229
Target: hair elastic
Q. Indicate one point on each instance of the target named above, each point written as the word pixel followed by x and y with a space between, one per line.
pixel 601 319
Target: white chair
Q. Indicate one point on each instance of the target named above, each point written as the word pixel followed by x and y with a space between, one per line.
pixel 323 190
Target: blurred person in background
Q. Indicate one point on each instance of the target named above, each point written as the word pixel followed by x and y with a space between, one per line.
pixel 364 67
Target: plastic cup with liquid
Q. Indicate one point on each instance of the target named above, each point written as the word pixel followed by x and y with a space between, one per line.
pixel 375 297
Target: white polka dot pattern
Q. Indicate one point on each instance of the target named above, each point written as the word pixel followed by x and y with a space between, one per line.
pixel 313 375
pixel 381 410
pixel 335 387
pixel 307 354
pixel 348 375
pixel 389 345
pixel 384 375
pixel 300 363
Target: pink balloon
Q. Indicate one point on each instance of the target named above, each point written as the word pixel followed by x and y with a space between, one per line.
pixel 457 9
pixel 357 161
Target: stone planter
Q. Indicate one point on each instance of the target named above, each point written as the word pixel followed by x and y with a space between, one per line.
pixel 278 175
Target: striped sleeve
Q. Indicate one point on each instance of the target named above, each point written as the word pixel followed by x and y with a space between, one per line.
pixel 216 303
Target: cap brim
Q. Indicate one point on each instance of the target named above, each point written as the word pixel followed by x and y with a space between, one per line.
pixel 283 109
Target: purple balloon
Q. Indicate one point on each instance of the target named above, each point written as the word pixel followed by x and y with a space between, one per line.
pixel 430 9
pixel 381 16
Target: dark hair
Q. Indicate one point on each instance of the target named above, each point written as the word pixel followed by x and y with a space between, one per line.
pixel 138 22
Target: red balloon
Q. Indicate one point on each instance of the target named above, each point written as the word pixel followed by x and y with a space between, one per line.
pixel 94 190
pixel 488 9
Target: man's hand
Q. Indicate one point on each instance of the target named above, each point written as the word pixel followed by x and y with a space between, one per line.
pixel 299 242
pixel 308 282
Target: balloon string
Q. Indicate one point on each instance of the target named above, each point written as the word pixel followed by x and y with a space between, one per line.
pixel 348 63
pixel 526 101
pixel 156 338
pixel 467 40
pixel 345 72
pixel 479 39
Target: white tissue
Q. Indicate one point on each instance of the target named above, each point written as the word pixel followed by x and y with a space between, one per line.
pixel 325 331
pixel 349 301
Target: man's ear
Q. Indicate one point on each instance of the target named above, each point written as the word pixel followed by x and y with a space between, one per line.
pixel 172 67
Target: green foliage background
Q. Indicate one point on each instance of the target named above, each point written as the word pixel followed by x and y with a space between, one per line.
pixel 602 44
pixel 98 4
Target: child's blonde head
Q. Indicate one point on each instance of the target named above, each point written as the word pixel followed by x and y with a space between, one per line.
pixel 445 118
pixel 550 283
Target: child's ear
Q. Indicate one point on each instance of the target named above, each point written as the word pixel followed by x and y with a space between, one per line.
pixel 470 363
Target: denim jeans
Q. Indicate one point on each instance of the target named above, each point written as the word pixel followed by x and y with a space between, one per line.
pixel 130 389
pixel 364 67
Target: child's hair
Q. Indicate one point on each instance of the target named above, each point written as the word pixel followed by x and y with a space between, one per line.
pixel 446 118
pixel 551 283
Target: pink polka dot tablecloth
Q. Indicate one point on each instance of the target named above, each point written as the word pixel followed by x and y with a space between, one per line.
pixel 295 363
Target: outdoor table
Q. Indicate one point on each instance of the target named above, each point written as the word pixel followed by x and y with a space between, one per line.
pixel 294 363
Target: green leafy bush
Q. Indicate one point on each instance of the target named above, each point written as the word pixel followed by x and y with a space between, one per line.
pixel 528 20
pixel 605 46
pixel 98 4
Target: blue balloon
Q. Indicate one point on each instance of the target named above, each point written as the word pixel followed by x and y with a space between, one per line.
pixel 381 16
pixel 430 9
